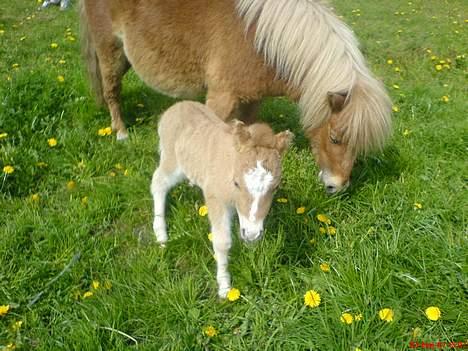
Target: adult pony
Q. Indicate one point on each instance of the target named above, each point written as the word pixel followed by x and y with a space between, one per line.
pixel 239 51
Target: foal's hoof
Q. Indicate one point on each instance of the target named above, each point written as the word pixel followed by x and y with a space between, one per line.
pixel 122 135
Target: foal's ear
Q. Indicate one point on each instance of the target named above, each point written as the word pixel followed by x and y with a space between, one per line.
pixel 283 141
pixel 337 100
pixel 241 135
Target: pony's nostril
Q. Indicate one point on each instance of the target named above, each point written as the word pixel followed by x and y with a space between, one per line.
pixel 330 189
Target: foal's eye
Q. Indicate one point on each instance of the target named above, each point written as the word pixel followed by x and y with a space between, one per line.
pixel 334 140
pixel 236 184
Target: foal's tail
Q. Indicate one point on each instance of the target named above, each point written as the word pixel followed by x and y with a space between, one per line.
pixel 88 51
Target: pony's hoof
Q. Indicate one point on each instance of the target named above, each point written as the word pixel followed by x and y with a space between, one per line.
pixel 122 135
pixel 222 293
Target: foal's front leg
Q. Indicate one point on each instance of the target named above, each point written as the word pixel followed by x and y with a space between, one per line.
pixel 220 217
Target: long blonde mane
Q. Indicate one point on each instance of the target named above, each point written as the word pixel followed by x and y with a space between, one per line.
pixel 315 51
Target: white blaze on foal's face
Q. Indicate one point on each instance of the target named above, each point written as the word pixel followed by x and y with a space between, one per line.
pixel 259 188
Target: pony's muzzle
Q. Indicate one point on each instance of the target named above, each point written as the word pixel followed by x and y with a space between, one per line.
pixel 250 231
pixel 333 184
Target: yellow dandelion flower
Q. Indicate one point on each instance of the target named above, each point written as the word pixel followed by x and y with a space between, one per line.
pixel 8 78
pixel 71 38
pixel 282 200
pixel 397 69
pixel 41 164
pixel 84 200
pixel 417 206
pixel 60 79
pixel 325 267
pixel 52 142
pixel 112 174
pixel 357 349
pixel 446 65
pixel 210 236
pixel 396 109
pixel 438 67
pixel 87 294
pixel 126 172
pixel 417 332
pixel 54 45
pixel 107 284
pixel 433 57
pixel 3 135
pixel 406 132
pixel 140 105
pixel 62 62
pixel 15 65
pixel 23 38
pixel 445 98
pixel 17 325
pixel 322 230
pixel 331 230
pixel 10 347
pixel 312 241
pixel 105 131
pixel 358 317
pixel 203 210
pixel 433 313
pixel 2 31
pixel 71 185
pixel 312 298
pixel 386 314
pixel 4 309
pixel 396 86
pixel 323 218
pixel 95 284
pixel 300 210
pixel 347 318
pixel 119 166
pixel 35 197
pixel 390 61
pixel 8 169
pixel 233 294
pixel 210 331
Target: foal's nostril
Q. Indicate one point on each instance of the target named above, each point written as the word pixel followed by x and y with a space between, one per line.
pixel 330 189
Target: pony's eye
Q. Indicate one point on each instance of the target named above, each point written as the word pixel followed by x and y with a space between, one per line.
pixel 236 184
pixel 334 140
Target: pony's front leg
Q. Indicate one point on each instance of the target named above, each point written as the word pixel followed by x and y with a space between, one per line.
pixel 163 180
pixel 220 218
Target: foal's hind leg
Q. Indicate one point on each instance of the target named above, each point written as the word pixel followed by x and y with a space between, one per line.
pixel 113 65
pixel 163 180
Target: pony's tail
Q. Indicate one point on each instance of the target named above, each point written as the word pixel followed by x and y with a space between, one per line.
pixel 88 51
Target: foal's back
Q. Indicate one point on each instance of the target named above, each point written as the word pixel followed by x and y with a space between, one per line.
pixel 193 139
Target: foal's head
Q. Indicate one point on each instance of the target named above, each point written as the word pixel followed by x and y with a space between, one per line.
pixel 257 173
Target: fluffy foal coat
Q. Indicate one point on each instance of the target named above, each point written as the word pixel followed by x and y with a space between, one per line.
pixel 238 51
pixel 237 167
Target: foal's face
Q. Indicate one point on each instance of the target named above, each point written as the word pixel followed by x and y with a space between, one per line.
pixel 332 153
pixel 255 181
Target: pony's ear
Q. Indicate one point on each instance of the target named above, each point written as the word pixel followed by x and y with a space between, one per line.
pixel 283 141
pixel 337 100
pixel 241 135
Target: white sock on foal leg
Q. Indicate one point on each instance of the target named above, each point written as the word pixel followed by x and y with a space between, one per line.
pixel 160 186
pixel 221 245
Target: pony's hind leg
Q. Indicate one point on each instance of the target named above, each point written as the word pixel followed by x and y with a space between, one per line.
pixel 113 65
pixel 220 218
pixel 163 180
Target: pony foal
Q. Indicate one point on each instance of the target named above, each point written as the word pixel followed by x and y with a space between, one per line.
pixel 237 167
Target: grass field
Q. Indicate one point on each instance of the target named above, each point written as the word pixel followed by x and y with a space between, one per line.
pixel 79 267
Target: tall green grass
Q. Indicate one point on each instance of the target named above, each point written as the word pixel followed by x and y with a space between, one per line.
pixel 85 204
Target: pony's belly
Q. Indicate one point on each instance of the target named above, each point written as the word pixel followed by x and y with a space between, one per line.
pixel 165 68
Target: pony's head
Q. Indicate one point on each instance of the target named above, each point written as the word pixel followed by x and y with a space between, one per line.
pixel 257 173
pixel 359 122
